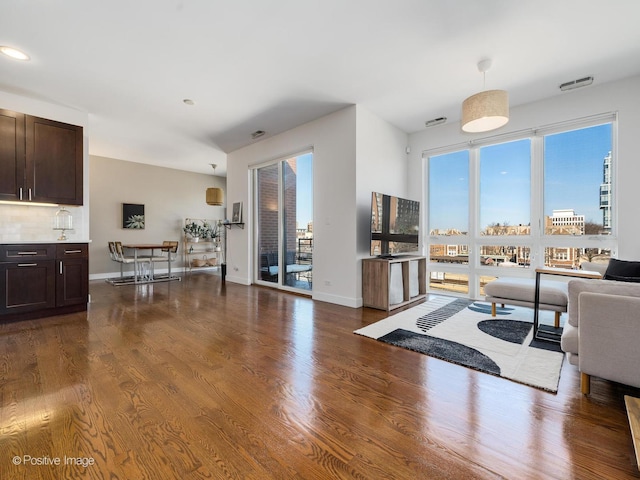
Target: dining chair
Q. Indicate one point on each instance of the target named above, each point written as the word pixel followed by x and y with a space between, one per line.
pixel 113 254
pixel 170 247
pixel 143 267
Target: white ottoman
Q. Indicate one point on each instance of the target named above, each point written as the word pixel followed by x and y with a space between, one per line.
pixel 521 291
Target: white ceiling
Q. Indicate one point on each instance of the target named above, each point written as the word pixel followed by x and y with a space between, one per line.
pixel 273 64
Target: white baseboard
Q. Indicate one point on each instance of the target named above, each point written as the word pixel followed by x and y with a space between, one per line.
pixel 240 280
pixel 104 276
pixel 344 301
pixel 322 297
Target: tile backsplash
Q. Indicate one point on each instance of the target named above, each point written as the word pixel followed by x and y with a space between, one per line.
pixel 35 223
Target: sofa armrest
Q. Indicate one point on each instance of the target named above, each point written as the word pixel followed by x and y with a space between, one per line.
pixel 611 287
pixel 609 337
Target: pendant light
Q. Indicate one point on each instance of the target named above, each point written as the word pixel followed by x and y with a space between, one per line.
pixel 215 196
pixel 486 110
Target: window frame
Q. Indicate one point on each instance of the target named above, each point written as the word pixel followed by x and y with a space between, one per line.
pixel 537 241
pixel 254 170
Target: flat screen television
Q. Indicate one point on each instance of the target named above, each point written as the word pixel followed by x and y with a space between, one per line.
pixel 395 224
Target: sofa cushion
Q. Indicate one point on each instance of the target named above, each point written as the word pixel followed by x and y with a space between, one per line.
pixel 599 267
pixel 569 339
pixel 623 271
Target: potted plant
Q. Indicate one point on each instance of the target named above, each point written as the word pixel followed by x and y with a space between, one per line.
pixel 210 231
pixel 195 231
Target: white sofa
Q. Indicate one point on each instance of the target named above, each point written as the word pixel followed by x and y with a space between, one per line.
pixel 602 333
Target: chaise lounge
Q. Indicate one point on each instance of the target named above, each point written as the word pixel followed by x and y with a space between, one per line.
pixel 269 266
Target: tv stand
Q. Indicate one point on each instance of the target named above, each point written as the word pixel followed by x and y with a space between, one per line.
pixel 390 283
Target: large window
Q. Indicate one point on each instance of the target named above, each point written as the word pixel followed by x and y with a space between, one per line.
pixel 577 194
pixel 449 194
pixel 505 188
pixel 545 198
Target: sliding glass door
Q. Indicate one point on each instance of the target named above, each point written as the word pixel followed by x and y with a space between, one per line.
pixel 283 193
pixel 268 218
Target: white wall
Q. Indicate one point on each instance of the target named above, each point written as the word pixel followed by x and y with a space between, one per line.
pixel 381 166
pixel 622 97
pixel 355 153
pixel 334 216
pixel 34 223
pixel 169 196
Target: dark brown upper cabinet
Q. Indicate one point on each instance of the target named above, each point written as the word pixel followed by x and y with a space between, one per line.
pixel 12 158
pixel 40 160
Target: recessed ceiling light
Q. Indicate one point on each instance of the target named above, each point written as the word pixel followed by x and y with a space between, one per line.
pixel 188 101
pixel 14 53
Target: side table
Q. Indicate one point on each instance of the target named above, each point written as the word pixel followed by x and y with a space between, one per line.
pixel 551 334
pixel 633 412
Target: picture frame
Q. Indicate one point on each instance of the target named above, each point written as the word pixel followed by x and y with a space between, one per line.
pixel 133 216
pixel 236 213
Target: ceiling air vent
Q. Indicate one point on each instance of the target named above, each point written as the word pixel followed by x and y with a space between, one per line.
pixel 435 121
pixel 257 134
pixel 581 82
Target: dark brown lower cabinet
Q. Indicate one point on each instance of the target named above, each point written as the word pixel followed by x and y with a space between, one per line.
pixel 72 282
pixel 28 286
pixel 41 280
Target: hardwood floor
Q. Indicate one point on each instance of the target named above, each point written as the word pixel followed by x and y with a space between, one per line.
pixel 196 379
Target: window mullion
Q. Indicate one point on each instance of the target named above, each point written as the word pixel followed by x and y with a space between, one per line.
pixel 474 214
pixel 537 202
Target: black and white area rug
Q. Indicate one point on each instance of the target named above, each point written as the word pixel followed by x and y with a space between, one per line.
pixel 462 331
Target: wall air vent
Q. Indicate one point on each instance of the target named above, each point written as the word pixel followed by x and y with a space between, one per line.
pixel 435 121
pixel 581 82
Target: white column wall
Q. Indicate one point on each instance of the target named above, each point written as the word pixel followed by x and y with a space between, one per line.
pixel 381 159
pixel 355 153
pixel 334 215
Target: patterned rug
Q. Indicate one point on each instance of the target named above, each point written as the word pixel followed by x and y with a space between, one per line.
pixel 462 331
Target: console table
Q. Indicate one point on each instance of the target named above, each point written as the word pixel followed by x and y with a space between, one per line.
pixel 390 283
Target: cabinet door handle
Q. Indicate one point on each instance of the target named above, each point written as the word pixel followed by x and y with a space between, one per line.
pixel 27 253
pixel 27 264
pixel 60 267
pixel 29 194
pixel 72 251
pixel 20 193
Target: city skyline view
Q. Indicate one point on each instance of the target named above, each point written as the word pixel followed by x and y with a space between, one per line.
pixel 572 175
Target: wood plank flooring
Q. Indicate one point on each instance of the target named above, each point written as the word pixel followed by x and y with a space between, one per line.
pixel 196 379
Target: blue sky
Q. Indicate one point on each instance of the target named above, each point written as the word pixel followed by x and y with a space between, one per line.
pixel 304 185
pixel 573 168
pixel 572 178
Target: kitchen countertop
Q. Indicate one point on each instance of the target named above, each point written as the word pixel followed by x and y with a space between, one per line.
pixel 39 242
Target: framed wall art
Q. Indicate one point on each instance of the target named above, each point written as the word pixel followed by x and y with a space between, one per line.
pixel 133 216
pixel 236 213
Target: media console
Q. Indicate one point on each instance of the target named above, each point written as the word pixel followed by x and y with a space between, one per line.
pixel 390 283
